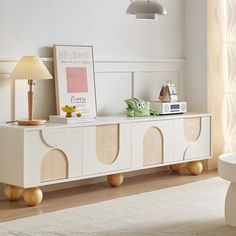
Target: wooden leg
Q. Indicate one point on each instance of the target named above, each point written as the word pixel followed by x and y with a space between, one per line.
pixel 176 167
pixel 115 180
pixel 12 193
pixel 33 196
pixel 195 167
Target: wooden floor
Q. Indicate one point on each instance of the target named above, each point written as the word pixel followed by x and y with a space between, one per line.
pixel 62 199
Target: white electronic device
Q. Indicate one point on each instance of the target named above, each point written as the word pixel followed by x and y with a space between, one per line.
pixel 167 108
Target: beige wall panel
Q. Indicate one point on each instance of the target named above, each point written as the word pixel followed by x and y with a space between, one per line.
pixel 192 129
pixel 153 147
pixel 107 143
pixel 106 87
pixel 54 166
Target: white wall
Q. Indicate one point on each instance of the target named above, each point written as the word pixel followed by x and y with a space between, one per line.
pixel 32 27
pixel 196 54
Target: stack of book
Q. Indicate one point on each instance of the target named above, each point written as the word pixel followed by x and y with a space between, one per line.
pixel 72 120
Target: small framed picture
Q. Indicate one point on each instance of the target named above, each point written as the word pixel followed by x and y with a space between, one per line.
pixel 74 79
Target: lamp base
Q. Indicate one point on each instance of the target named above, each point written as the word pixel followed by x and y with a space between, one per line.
pixel 31 122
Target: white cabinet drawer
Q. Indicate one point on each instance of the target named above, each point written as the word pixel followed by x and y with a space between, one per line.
pixel 52 154
pixel 192 138
pixel 106 148
pixel 152 143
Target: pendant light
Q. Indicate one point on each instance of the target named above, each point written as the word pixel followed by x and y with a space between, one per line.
pixel 146 9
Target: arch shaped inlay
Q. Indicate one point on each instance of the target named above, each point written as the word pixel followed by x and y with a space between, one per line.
pixel 55 137
pixel 192 128
pixel 191 151
pixel 107 143
pixel 153 146
pixel 54 166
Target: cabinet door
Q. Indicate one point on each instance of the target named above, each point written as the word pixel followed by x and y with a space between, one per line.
pixel 106 148
pixel 192 138
pixel 53 155
pixel 152 143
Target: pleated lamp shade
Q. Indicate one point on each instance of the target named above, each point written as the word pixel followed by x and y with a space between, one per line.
pixel 146 9
pixel 30 68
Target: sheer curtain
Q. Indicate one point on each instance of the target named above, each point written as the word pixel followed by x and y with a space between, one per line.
pixel 222 75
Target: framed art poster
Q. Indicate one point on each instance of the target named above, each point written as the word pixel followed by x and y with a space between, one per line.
pixel 74 79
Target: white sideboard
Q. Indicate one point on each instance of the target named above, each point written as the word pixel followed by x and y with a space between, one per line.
pixel 35 156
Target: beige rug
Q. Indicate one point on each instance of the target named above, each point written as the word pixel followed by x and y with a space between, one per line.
pixel 194 209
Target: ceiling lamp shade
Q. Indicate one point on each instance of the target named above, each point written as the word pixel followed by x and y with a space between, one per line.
pixel 146 9
pixel 146 16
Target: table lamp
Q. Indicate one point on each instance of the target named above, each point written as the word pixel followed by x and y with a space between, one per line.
pixel 30 68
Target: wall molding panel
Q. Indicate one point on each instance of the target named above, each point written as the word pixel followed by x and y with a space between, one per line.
pixel 7 65
pixel 133 78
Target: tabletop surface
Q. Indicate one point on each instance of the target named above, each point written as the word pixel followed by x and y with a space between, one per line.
pixel 105 120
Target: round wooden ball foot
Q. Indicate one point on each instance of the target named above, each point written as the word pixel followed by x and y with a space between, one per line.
pixel 195 167
pixel 12 193
pixel 176 167
pixel 115 180
pixel 33 196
